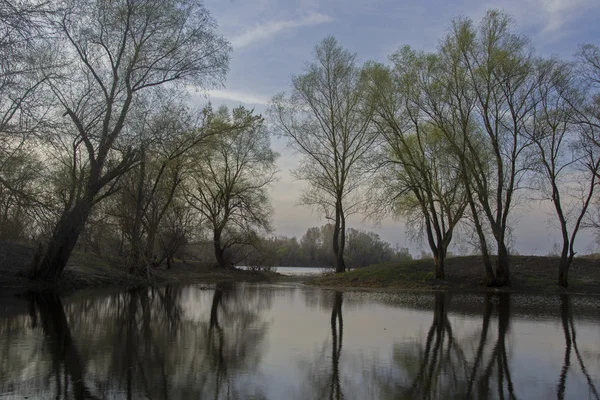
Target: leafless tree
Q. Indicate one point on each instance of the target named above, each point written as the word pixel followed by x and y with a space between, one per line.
pixel 327 121
pixel 567 162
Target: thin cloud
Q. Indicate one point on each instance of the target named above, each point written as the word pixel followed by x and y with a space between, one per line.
pixel 271 28
pixel 232 95
pixel 560 12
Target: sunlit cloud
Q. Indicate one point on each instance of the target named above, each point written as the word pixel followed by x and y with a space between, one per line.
pixel 270 28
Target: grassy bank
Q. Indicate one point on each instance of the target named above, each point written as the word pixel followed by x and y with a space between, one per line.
pixel 528 274
pixel 87 271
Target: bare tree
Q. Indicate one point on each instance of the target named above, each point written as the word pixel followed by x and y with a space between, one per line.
pixel 327 120
pixel 23 103
pixel 228 186
pixel 567 161
pixel 115 51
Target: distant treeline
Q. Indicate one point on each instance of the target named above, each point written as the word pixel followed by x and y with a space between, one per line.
pixel 314 250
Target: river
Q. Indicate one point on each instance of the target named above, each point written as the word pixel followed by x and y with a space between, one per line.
pixel 290 341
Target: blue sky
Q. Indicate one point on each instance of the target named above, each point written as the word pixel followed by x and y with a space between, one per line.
pixel 272 40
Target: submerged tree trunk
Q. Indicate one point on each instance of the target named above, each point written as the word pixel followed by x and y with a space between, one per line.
pixel 50 265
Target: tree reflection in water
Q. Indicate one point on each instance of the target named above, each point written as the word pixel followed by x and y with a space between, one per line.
pixel 189 343
pixel 320 376
pixel 67 367
pixel 144 343
pixel 444 367
pixel 566 316
pixel 337 336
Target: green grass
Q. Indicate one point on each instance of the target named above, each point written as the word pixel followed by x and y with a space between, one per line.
pixel 528 273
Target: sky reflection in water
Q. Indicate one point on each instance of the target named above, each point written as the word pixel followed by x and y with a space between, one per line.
pixel 289 341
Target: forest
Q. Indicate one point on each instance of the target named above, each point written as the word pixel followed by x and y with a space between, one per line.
pixel 102 151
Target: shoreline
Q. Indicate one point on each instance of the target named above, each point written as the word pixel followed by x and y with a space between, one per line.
pixel 69 284
pixel 529 275
pixel 89 271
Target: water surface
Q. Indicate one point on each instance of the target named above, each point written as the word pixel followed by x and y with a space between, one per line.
pixel 283 341
pixel 298 271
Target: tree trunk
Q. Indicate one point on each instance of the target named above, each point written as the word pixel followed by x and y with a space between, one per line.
pixel 150 242
pixel 337 249
pixel 503 264
pixel 219 251
pixel 63 241
pixel 490 278
pixel 136 263
pixel 564 263
pixel 438 248
pixel 341 264
pixel 439 259
pixel 563 272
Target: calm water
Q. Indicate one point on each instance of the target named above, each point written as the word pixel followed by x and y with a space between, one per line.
pixel 295 342
pixel 298 271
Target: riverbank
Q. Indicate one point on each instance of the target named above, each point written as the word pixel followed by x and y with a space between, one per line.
pixel 528 274
pixel 86 271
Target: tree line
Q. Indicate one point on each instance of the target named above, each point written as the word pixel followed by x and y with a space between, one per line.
pixel 314 249
pixel 101 150
pixel 457 137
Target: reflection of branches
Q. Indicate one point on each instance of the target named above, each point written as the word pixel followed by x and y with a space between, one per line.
pixel 49 309
pixel 438 367
pixel 434 358
pixel 570 343
pixel 215 350
pixel 336 315
pixel 499 355
pixel 487 313
pixel 149 343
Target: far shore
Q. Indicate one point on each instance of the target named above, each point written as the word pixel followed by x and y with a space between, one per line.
pixel 529 274
pixel 86 271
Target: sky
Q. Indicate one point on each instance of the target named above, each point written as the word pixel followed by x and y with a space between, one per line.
pixel 273 40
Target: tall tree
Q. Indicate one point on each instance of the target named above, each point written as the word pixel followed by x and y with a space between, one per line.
pixel 327 121
pixel 419 177
pixel 499 73
pixel 478 90
pixel 116 50
pixel 228 187
pixel 567 161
